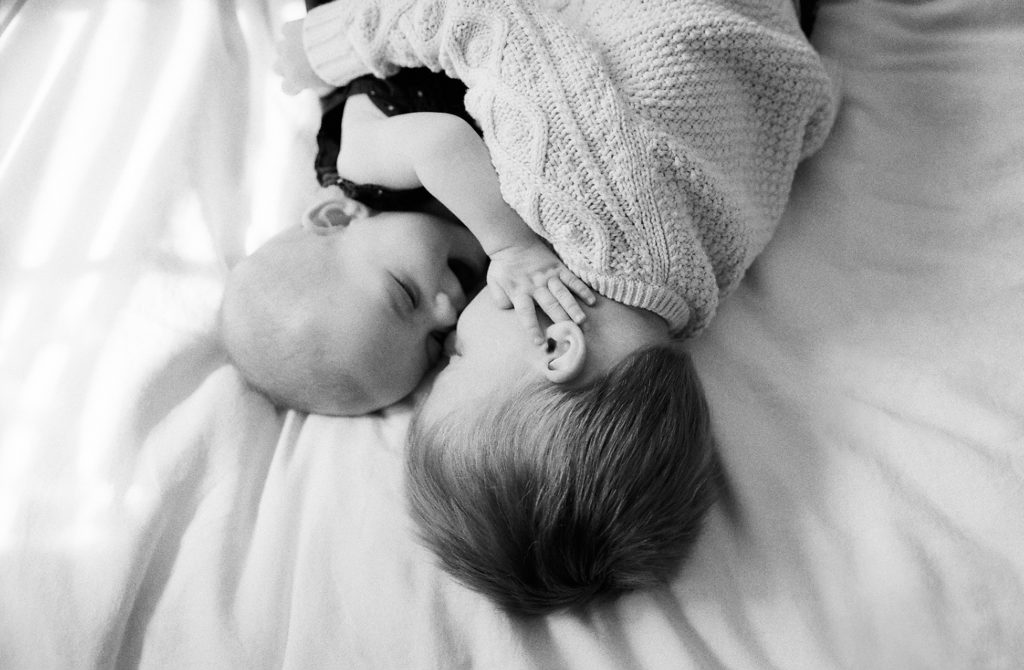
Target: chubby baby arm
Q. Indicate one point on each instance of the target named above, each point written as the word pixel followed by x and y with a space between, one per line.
pixel 444 154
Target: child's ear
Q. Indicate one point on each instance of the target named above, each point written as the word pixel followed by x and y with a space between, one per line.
pixel 333 214
pixel 565 352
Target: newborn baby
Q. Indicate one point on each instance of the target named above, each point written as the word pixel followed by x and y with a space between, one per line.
pixel 345 314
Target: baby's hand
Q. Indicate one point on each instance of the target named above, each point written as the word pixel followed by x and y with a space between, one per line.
pixel 293 65
pixel 520 275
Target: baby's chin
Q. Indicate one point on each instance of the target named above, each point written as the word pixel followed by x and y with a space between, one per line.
pixel 347 409
pixel 386 399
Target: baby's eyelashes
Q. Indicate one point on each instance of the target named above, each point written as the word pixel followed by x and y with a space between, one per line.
pixel 411 294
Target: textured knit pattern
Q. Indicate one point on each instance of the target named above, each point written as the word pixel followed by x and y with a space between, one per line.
pixel 654 148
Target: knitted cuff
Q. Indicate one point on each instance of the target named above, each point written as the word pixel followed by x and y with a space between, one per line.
pixel 331 53
pixel 682 321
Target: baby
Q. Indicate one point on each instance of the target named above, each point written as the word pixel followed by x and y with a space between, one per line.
pixel 654 147
pixel 344 314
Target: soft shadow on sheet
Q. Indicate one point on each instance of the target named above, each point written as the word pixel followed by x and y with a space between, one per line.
pixel 864 378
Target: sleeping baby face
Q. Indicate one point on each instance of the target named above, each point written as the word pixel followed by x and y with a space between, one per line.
pixel 346 315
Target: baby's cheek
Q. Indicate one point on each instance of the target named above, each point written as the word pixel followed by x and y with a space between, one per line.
pixel 404 375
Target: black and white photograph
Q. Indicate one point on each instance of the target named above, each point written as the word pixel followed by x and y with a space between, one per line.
pixel 512 334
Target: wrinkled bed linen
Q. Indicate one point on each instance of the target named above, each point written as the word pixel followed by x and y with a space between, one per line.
pixel 865 378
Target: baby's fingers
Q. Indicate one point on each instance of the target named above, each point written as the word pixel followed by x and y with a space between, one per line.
pixel 566 302
pixel 527 314
pixel 551 305
pixel 498 296
pixel 577 286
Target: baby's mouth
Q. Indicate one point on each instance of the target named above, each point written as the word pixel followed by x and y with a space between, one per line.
pixel 451 345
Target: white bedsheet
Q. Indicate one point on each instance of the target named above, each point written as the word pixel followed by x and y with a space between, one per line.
pixel 866 379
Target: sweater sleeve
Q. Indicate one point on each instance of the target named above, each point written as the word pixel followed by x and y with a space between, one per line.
pixel 654 159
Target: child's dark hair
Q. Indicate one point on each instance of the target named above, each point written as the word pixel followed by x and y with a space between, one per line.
pixel 556 496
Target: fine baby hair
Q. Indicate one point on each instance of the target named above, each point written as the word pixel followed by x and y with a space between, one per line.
pixel 273 328
pixel 270 327
pixel 347 316
pixel 556 496
pixel 346 313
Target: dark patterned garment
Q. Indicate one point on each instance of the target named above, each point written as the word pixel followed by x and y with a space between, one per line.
pixel 409 90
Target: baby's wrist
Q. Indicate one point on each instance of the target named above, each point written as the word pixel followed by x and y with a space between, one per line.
pixel 509 244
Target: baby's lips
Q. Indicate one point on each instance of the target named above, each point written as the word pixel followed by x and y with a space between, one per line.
pixel 450 345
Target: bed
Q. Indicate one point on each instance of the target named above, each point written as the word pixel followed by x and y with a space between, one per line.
pixel 866 378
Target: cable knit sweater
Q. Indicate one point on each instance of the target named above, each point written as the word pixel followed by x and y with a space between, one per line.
pixel 653 148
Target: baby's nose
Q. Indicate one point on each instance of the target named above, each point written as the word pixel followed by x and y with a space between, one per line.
pixel 447 306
